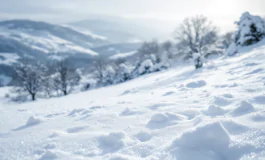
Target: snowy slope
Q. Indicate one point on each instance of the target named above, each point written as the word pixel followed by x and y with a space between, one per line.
pixel 215 113
pixel 46 38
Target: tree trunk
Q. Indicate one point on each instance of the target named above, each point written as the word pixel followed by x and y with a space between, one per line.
pixel 65 93
pixel 33 97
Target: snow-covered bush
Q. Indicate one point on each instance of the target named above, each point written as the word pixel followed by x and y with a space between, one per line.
pixel 251 29
pixel 161 66
pixel 88 84
pixel 123 73
pixel 146 66
pixel 109 76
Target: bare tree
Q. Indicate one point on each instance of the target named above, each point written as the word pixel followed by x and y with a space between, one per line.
pixel 29 77
pixel 100 65
pixel 150 48
pixel 167 46
pixel 196 35
pixel 66 77
pixel 227 39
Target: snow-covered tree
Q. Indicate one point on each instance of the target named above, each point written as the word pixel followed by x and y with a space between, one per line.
pixel 109 75
pixel 123 73
pixel 150 50
pixel 251 29
pixel 168 48
pixel 145 67
pixel 198 60
pixel 196 35
pixel 100 66
pixel 227 39
pixel 29 77
pixel 65 77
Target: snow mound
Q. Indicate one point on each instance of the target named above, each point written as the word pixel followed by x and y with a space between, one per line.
pixel 111 142
pixel 33 121
pixel 196 84
pixel 143 136
pixel 243 108
pixel 202 141
pixel 161 120
pixel 214 110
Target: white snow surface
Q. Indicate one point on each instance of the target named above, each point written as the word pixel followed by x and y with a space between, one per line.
pixel 122 55
pixel 213 113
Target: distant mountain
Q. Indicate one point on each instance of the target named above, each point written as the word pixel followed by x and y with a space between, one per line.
pixel 43 41
pixel 119 30
pixel 47 38
pixel 46 42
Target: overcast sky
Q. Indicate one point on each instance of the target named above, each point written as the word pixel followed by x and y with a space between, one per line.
pixel 222 12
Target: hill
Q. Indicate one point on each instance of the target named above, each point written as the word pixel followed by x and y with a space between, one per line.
pixel 216 112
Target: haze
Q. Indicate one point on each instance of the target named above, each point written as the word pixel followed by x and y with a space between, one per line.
pixel 171 12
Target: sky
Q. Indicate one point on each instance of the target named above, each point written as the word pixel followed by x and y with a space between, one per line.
pixel 223 13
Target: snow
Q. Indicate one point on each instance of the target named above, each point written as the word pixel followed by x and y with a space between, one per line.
pixel 44 41
pixel 8 58
pixel 122 55
pixel 245 34
pixel 146 67
pixel 33 121
pixel 212 113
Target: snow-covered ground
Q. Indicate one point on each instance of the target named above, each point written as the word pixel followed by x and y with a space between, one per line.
pixel 216 113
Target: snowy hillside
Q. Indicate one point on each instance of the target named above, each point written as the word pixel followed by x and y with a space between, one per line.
pixel 45 38
pixel 214 113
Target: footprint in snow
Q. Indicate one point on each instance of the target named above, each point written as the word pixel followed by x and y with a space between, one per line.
pixel 143 136
pixel 221 101
pixel 77 129
pixel 169 93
